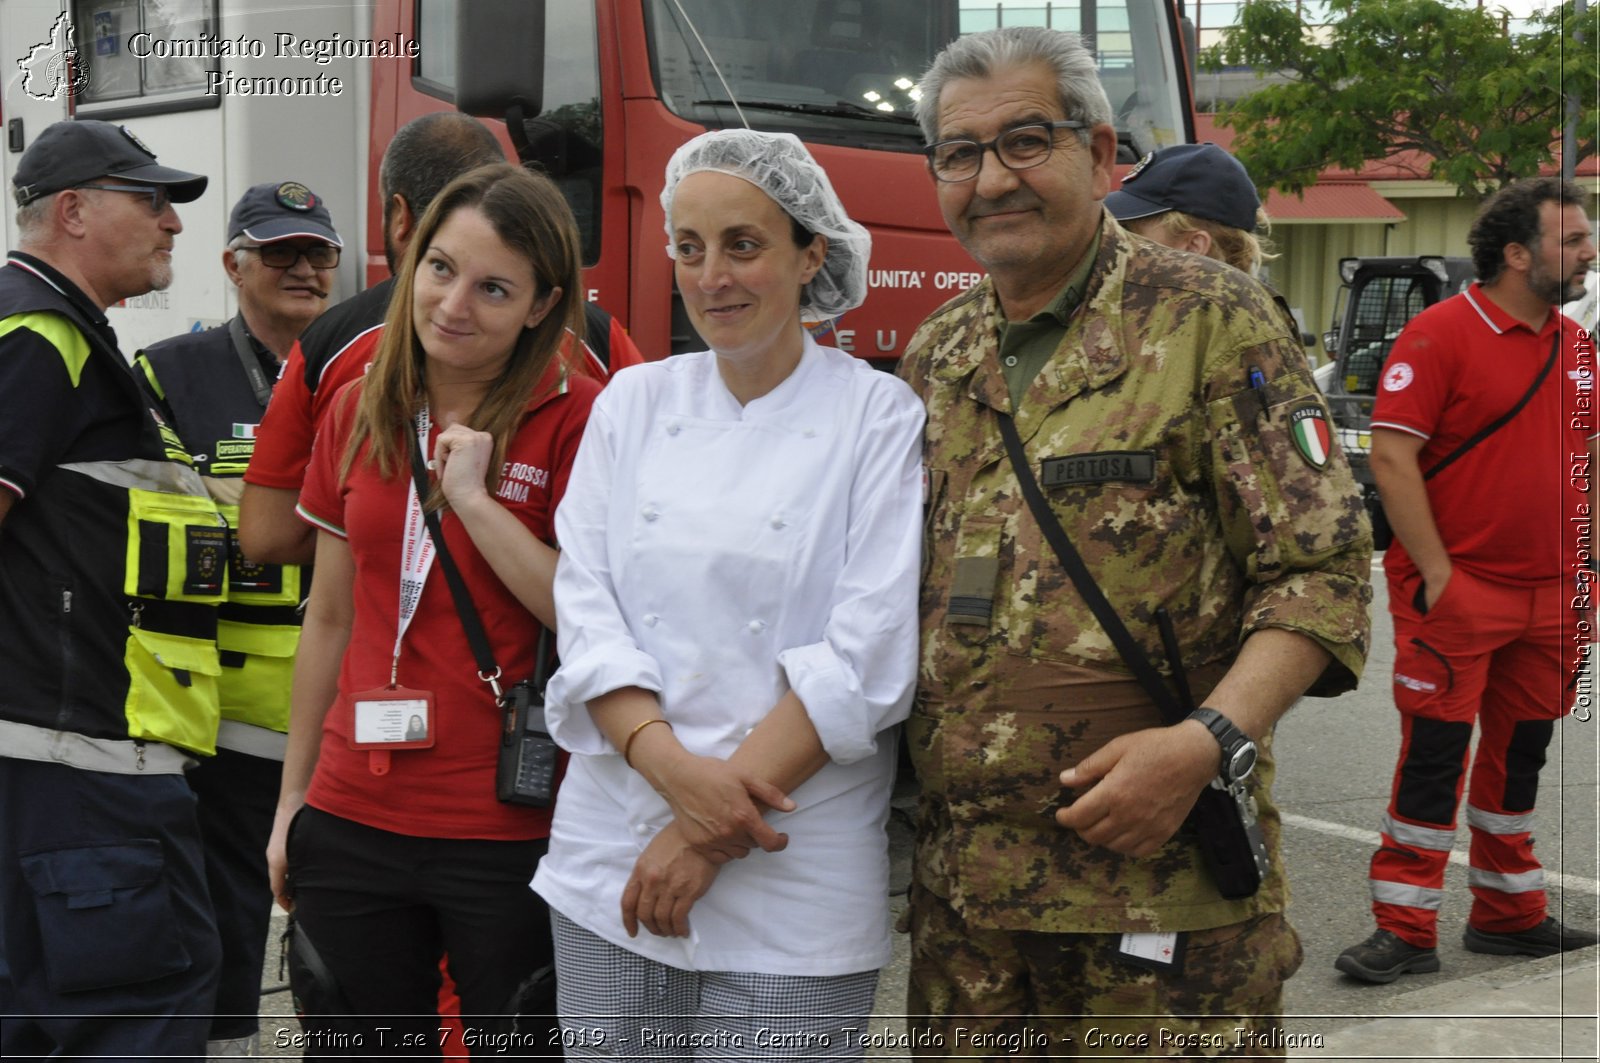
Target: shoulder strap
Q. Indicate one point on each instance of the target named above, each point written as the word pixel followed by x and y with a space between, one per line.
pixel 248 360
pixel 1499 422
pixel 477 638
pixel 1132 654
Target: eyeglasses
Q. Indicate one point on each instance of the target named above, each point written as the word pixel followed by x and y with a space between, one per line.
pixel 1018 148
pixel 282 255
pixel 157 194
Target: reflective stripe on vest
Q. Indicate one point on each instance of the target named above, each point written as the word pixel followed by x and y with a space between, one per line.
pixel 255 741
pixel 24 741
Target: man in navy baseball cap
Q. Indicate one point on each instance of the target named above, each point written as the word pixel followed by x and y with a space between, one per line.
pixel 73 154
pixel 281 210
pixel 1193 197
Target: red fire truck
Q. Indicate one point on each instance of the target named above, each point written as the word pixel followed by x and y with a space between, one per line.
pixel 597 92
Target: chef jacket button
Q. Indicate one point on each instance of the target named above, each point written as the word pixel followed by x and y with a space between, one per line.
pixel 650 619
pixel 778 522
pixel 649 513
pixel 757 626
pixel 810 433
pixel 674 428
pixel 642 828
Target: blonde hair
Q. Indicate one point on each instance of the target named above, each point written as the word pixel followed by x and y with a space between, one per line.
pixel 1240 249
pixel 528 212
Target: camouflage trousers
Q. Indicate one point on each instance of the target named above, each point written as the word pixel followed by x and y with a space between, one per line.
pixel 1001 994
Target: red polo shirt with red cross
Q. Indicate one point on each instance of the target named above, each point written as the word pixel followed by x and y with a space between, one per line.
pixel 1509 510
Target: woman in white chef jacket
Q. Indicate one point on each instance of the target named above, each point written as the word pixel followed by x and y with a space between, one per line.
pixel 738 633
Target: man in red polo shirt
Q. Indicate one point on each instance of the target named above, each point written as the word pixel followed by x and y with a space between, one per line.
pixel 1485 585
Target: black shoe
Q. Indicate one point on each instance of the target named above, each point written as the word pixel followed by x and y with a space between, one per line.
pixel 1383 957
pixel 1546 939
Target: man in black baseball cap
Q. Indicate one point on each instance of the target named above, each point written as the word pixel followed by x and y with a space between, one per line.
pixel 75 154
pixel 1193 197
pixel 113 560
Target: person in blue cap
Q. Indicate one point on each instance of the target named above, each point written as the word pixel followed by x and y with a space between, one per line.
pixel 112 565
pixel 1194 197
pixel 213 388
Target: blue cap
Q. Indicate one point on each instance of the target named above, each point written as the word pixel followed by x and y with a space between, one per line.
pixel 1200 180
pixel 280 210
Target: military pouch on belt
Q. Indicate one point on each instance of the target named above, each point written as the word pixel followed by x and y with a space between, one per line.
pixel 1224 818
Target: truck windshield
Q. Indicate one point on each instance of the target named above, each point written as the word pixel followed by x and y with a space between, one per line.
pixel 845 71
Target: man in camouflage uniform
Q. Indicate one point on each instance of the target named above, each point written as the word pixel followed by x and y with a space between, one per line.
pixel 1168 413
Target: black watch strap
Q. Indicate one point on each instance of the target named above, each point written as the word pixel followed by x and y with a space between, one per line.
pixel 1230 738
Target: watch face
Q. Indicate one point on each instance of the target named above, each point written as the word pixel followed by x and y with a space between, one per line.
pixel 1244 761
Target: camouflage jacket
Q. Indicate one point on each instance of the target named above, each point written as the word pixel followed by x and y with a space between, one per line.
pixel 1181 442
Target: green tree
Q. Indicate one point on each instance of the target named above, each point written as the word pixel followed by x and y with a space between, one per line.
pixel 1383 76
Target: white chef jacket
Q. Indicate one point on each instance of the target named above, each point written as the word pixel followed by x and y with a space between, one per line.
pixel 721 555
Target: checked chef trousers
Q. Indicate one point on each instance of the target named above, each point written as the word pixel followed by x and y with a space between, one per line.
pixel 1493 654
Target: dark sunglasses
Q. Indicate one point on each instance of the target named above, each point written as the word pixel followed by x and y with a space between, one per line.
pixel 285 255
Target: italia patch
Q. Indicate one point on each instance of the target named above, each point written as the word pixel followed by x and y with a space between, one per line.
pixel 1313 438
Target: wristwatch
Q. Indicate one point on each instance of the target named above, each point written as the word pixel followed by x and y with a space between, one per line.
pixel 1238 748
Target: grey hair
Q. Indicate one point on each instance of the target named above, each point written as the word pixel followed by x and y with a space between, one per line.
pixel 982 55
pixel 33 219
pixel 237 244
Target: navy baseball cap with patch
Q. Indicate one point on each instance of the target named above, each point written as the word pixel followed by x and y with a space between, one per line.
pixel 73 153
pixel 281 210
pixel 1200 180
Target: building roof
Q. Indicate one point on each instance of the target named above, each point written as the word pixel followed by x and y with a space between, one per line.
pixel 1345 195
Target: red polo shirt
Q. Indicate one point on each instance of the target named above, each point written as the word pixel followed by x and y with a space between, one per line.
pixel 446 791
pixel 1504 509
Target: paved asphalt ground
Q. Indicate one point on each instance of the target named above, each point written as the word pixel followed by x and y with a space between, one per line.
pixel 1335 759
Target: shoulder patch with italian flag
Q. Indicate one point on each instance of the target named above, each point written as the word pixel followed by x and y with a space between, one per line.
pixel 1308 425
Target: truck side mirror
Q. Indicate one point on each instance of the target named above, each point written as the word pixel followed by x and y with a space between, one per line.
pixel 500 58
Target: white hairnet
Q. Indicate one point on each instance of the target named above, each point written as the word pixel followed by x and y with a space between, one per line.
pixel 779 165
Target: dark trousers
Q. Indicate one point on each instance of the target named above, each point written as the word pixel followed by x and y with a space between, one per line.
pixel 380 908
pixel 238 795
pixel 108 948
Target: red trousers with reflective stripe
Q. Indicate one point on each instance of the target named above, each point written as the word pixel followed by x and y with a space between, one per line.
pixel 1494 655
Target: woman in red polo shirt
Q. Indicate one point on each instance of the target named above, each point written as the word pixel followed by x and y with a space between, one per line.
pixel 399 849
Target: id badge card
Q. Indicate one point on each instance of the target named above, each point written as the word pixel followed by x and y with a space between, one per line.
pixel 1158 952
pixel 391 718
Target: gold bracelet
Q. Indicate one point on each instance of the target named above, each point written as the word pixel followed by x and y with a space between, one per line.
pixel 627 747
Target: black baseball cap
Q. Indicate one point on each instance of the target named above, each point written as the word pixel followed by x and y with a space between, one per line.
pixel 69 154
pixel 281 210
pixel 1200 180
